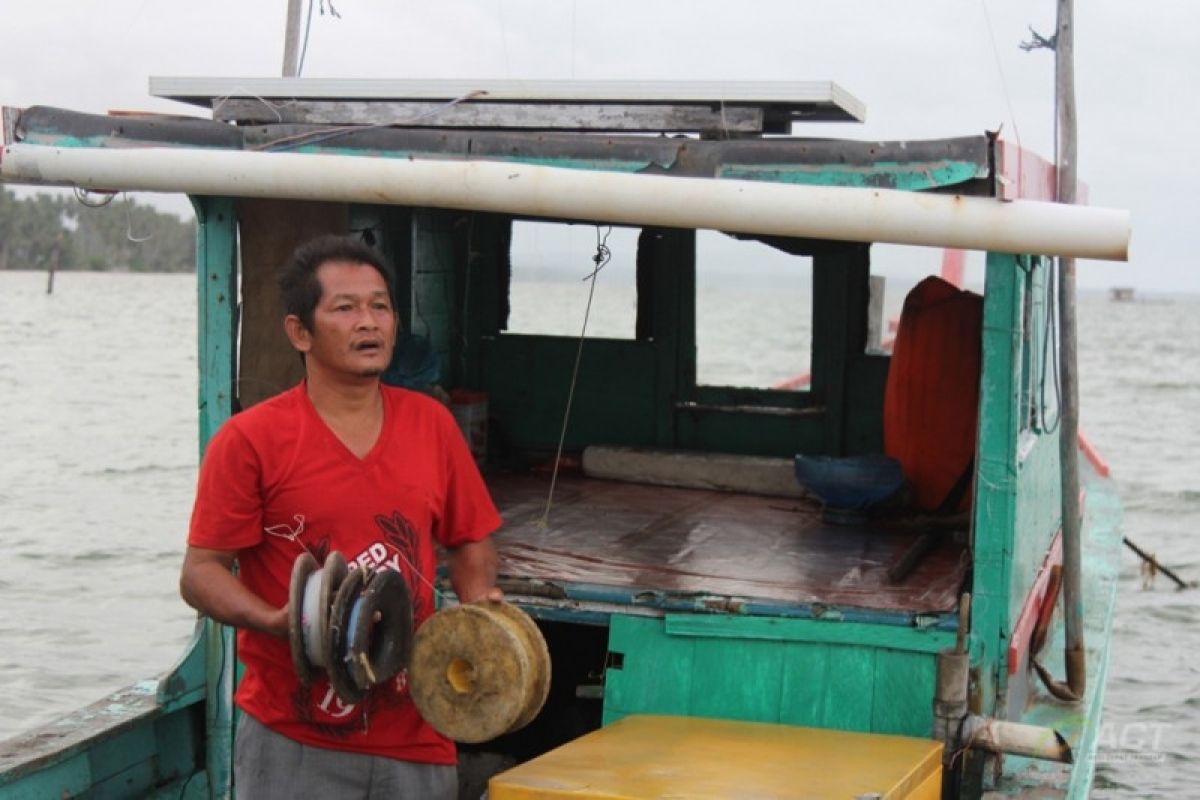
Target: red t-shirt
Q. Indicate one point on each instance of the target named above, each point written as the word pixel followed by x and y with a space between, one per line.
pixel 276 481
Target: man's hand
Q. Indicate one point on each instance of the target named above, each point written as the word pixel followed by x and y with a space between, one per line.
pixel 473 572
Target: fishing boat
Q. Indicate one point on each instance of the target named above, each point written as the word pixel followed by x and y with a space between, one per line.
pixel 713 624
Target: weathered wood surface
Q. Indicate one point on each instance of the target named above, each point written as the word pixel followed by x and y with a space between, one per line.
pixel 270 231
pixel 550 116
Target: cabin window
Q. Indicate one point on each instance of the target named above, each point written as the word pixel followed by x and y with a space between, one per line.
pixel 551 265
pixel 753 314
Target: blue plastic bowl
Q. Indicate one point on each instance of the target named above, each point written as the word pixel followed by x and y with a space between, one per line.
pixel 853 482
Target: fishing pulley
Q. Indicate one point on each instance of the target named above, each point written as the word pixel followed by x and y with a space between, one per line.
pixel 353 625
pixel 479 671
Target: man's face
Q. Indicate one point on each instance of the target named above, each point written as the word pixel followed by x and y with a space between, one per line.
pixel 354 324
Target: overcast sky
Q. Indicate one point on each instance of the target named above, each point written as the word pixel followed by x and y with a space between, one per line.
pixel 923 69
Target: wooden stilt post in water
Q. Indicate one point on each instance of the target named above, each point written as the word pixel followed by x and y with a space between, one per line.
pixel 1075 655
pixel 54 263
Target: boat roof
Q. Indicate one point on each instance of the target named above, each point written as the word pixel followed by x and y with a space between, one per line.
pixel 735 107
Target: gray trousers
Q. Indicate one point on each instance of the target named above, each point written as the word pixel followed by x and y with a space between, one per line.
pixel 270 766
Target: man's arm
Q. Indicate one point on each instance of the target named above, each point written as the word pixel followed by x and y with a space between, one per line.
pixel 207 584
pixel 473 571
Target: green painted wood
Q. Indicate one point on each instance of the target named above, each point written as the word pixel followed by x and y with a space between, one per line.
pixel 849 688
pixel 1038 517
pixel 184 683
pixel 742 682
pixel 216 263
pixel 996 481
pixel 823 674
pixel 656 673
pixel 483 271
pixel 70 777
pixel 750 432
pixel 178 749
pixel 528 378
pixel 1039 487
pixel 121 747
pixel 117 754
pixel 903 693
pixel 802 690
pixel 841 292
pixel 673 265
pixel 805 630
pixel 133 781
pixel 885 174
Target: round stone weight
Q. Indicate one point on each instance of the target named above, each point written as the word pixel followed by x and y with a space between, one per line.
pixel 479 671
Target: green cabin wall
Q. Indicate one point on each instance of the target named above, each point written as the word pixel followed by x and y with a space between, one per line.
pixel 1017 493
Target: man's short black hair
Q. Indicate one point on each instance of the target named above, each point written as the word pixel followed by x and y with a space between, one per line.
pixel 299 288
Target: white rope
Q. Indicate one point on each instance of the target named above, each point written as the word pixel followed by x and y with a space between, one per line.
pixel 600 259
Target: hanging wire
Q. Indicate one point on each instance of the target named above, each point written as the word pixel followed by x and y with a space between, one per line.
pixel 129 222
pixel 987 18
pixel 599 260
pixel 84 197
pixel 304 46
pixel 333 12
pixel 238 91
pixel 1049 353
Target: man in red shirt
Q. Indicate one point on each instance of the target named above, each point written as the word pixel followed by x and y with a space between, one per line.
pixel 343 463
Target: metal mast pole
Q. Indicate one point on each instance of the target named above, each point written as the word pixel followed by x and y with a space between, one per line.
pixel 1064 69
pixel 291 39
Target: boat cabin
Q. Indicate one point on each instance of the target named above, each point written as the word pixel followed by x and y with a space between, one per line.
pixel 653 525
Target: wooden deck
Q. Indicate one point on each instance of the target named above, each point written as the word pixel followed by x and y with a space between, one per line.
pixel 689 541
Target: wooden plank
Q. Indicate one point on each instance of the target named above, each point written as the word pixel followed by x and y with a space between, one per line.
pixel 69 778
pixel 217 259
pixel 270 231
pixel 850 689
pixel 527 379
pixel 119 753
pixel 655 676
pixel 672 259
pixel 216 287
pixel 804 684
pixel 549 116
pixel 804 630
pixel 742 681
pixel 903 701
pixel 812 100
pixel 994 507
pixel 840 296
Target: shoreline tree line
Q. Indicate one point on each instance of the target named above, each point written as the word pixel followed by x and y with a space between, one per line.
pixel 48 231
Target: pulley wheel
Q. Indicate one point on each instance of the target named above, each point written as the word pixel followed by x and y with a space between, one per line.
pixel 379 631
pixel 336 662
pixel 334 572
pixel 479 671
pixel 303 567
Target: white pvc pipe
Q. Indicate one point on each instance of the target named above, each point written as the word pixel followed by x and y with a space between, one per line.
pixel 820 212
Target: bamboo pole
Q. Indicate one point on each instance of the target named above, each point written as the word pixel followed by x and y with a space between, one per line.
pixel 291 39
pixel 1075 655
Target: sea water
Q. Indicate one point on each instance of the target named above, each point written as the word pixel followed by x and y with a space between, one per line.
pixel 98 453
